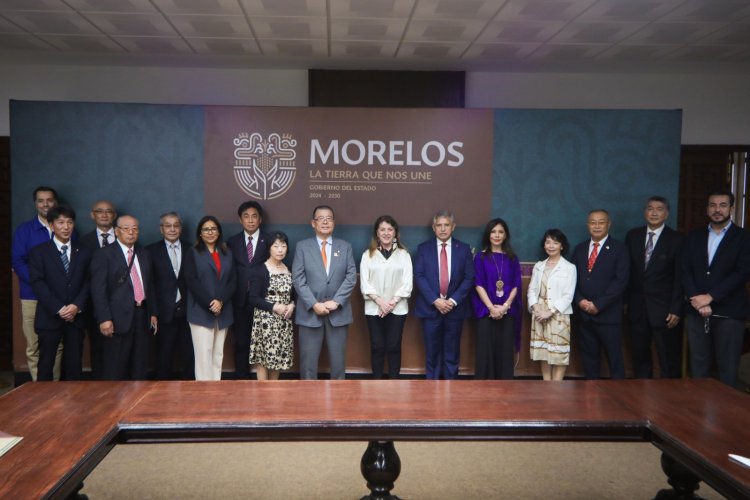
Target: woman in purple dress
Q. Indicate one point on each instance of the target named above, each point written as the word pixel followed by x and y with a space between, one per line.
pixel 497 303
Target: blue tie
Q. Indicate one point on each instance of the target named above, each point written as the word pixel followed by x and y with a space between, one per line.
pixel 64 257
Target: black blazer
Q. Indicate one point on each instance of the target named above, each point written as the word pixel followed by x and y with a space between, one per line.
pixel 165 282
pixel 607 281
pixel 53 287
pixel 655 290
pixel 204 286
pixel 260 280
pixel 112 290
pixel 91 240
pixel 725 278
pixel 243 267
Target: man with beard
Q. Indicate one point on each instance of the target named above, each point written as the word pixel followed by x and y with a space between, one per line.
pixel 715 269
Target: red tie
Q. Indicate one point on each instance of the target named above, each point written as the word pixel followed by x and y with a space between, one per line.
pixel 592 257
pixel 443 272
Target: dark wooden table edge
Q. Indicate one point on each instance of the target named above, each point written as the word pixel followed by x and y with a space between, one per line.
pixel 73 478
pixel 384 431
pixel 709 473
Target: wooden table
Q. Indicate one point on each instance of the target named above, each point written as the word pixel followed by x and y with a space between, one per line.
pixel 69 427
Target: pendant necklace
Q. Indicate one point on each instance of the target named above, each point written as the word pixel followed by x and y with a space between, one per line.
pixel 499 283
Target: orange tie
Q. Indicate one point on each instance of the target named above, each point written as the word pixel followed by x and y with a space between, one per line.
pixel 323 255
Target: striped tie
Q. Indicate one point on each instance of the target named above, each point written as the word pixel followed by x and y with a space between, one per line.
pixel 64 258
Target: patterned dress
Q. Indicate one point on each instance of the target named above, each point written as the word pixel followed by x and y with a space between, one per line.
pixel 272 345
pixel 550 341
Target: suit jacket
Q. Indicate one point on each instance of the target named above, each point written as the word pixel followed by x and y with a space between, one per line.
pixel 165 281
pixel 112 289
pixel 607 281
pixel 427 279
pixel 54 287
pixel 725 278
pixel 91 240
pixel 243 267
pixel 313 284
pixel 204 286
pixel 656 290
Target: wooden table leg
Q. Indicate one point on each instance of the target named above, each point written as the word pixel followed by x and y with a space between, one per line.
pixel 684 483
pixel 380 466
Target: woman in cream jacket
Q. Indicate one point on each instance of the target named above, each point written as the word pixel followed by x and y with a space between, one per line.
pixel 550 298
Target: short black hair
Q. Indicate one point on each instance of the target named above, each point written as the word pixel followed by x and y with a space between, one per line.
pixel 323 207
pixel 558 236
pixel 55 213
pixel 658 199
pixel 44 188
pixel 278 236
pixel 249 204
pixel 723 192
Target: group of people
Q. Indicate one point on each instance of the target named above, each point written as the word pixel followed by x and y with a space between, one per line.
pixel 189 294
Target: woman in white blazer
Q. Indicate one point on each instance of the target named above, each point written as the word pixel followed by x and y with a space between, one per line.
pixel 385 276
pixel 550 298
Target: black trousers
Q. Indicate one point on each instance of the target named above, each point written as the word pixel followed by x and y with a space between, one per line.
pixel 71 337
pixel 242 329
pixel 668 342
pixel 174 338
pixel 596 337
pixel 125 354
pixel 495 350
pixel 722 345
pixel 95 344
pixel 385 342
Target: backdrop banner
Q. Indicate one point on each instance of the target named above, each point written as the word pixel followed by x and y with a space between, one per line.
pixel 536 169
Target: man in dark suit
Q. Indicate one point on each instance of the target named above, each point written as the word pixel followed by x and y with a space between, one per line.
pixel 655 297
pixel 249 249
pixel 444 275
pixel 58 270
pixel 603 268
pixel 103 214
pixel 124 302
pixel 715 268
pixel 324 275
pixel 171 294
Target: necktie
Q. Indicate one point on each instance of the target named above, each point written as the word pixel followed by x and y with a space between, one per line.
pixel 175 265
pixel 64 258
pixel 323 254
pixel 592 257
pixel 444 271
pixel 137 285
pixel 249 249
pixel 105 239
pixel 649 247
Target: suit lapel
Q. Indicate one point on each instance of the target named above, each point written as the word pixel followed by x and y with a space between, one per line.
pixel 732 233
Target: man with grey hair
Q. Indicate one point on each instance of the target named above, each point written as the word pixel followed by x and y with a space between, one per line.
pixel 444 275
pixel 169 281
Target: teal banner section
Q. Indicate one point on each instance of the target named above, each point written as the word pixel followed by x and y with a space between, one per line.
pixel 549 168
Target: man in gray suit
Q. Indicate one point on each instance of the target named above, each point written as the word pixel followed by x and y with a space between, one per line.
pixel 324 276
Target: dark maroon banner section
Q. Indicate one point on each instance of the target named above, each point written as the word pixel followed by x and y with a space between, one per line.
pixel 362 161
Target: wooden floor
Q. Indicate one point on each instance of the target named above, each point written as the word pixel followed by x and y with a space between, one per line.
pixel 73 425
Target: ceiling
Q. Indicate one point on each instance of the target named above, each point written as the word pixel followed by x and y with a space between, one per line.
pixel 494 35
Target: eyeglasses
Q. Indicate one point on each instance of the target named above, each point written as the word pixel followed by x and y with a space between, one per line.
pixel 209 230
pixel 323 219
pixel 133 229
pixel 171 226
pixel 100 211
